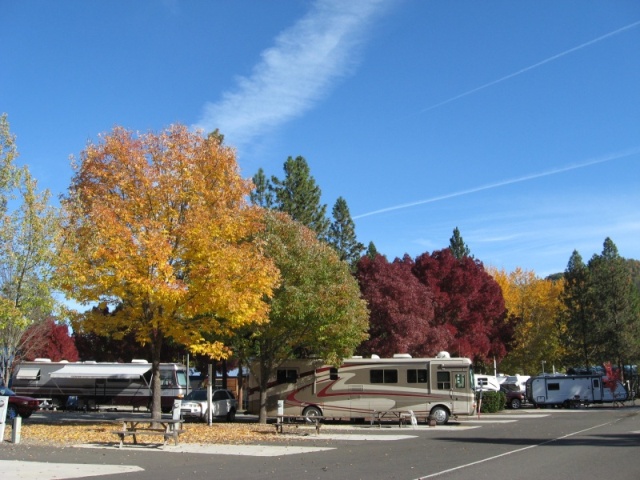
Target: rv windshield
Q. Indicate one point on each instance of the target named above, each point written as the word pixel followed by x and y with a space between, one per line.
pixel 182 378
pixel 472 380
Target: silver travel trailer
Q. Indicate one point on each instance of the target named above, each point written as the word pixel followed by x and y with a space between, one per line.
pixel 571 391
pixel 88 385
pixel 438 388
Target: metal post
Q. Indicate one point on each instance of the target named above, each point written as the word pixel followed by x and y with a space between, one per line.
pixel 209 393
pixel 15 431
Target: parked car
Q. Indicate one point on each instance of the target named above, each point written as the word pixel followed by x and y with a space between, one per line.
pixel 194 405
pixel 19 405
pixel 514 396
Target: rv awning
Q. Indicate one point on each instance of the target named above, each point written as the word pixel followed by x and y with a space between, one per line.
pixel 124 371
pixel 26 373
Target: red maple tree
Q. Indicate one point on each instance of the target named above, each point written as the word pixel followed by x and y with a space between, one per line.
pixel 49 339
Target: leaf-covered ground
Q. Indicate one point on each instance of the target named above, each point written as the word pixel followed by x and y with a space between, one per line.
pixel 73 434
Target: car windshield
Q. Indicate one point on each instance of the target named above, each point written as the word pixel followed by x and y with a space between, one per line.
pixel 6 392
pixel 197 395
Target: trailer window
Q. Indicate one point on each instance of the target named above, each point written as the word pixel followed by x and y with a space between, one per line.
pixel 553 386
pixel 333 373
pixel 383 376
pixel 444 380
pixel 417 375
pixel 287 376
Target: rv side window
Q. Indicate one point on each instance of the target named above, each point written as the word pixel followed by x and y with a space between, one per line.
pixel 333 373
pixel 417 376
pixel 444 381
pixel 383 376
pixel 287 376
pixel 553 386
pixel 596 383
pixel 460 380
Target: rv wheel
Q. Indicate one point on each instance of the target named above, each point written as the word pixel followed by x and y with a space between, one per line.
pixel 440 414
pixel 515 403
pixel 312 412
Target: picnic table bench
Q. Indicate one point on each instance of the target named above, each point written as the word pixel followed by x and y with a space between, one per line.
pixel 377 416
pixel 296 420
pixel 140 426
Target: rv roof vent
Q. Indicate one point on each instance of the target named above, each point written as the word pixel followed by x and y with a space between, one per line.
pixel 401 355
pixel 138 360
pixel 443 355
pixel 90 361
pixel 374 356
pixel 356 356
pixel 43 360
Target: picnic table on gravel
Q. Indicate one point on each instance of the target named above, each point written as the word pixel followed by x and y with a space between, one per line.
pixel 141 426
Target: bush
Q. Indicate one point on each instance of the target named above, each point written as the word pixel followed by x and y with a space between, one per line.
pixel 492 402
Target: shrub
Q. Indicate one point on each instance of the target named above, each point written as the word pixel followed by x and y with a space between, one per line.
pixel 492 402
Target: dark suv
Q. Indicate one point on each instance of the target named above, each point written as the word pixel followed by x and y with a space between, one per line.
pixel 515 396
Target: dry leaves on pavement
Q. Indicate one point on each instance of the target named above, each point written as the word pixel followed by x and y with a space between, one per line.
pixel 73 434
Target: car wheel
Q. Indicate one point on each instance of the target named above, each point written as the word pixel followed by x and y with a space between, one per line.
pixel 440 414
pixel 11 412
pixel 516 403
pixel 231 416
pixel 311 412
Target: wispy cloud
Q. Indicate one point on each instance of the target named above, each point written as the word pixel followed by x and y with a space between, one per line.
pixel 533 176
pixel 531 67
pixel 302 66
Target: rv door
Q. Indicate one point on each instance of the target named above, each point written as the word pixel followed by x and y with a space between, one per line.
pixel 596 387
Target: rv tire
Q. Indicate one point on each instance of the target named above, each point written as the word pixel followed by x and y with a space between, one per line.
pixel 440 415
pixel 312 412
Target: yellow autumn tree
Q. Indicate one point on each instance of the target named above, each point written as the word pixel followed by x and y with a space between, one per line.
pixel 534 306
pixel 158 225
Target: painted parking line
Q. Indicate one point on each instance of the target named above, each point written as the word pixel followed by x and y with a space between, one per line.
pixel 19 470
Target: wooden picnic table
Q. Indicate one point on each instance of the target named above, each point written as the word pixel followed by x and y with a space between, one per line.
pixel 282 420
pixel 139 426
pixel 377 416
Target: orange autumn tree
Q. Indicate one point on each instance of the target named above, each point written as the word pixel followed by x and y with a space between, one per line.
pixel 158 226
pixel 534 306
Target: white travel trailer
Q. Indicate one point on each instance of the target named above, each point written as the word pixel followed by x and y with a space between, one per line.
pixel 487 383
pixel 92 384
pixel 571 391
pixel 362 387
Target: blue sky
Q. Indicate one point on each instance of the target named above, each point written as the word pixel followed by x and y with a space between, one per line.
pixel 516 121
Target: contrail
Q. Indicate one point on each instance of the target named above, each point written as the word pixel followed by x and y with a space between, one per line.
pixel 533 176
pixel 531 67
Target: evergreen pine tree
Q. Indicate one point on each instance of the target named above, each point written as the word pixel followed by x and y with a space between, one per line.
pixel 299 196
pixel 372 251
pixel 579 320
pixel 262 194
pixel 457 245
pixel 342 233
pixel 615 303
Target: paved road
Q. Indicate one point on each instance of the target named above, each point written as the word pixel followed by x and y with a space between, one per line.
pixel 528 444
